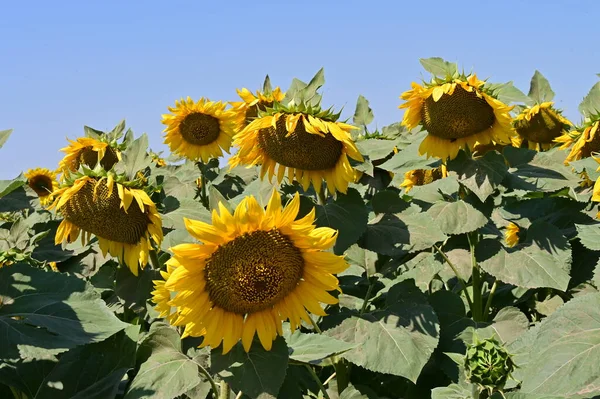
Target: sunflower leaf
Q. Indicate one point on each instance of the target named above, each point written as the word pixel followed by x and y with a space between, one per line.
pixel 366 259
pixel 589 235
pixel 452 391
pixel 508 93
pixel 590 106
pixel 540 90
pixel 407 328
pixel 248 372
pixel 136 158
pixel 267 88
pixel 438 67
pixel 313 348
pixel 4 135
pixel 363 114
pixel 8 186
pixel 56 312
pixel 457 217
pixel 482 175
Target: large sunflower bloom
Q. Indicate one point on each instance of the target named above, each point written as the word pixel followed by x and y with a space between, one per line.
pixel 311 149
pixel 124 219
pixel 199 130
pixel 421 177
pixel 253 270
pixel 247 110
pixel 43 182
pixel 539 126
pixel 456 114
pixel 87 151
pixel 583 142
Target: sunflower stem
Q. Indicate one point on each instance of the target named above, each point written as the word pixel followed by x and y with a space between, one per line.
pixel 315 325
pixel 488 303
pixel 367 297
pixel 460 279
pixel 224 391
pixel 212 382
pixel 317 380
pixel 154 259
pixel 476 309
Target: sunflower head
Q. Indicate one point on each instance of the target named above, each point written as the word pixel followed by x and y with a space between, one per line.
pixel 118 212
pixel 457 111
pixel 43 182
pixel 538 126
pixel 251 104
pixel 488 364
pixel 511 235
pixel 199 130
pixel 298 138
pixel 581 142
pixel 421 177
pixel 251 270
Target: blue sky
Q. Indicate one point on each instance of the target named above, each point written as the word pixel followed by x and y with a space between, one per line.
pixel 66 64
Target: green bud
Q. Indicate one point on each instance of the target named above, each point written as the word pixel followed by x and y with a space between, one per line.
pixel 488 364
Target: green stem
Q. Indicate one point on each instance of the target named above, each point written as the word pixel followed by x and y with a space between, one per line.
pixel 207 375
pixel 488 304
pixel 224 391
pixel 317 380
pixel 315 325
pixel 455 270
pixel 367 297
pixel 477 308
pixel 154 259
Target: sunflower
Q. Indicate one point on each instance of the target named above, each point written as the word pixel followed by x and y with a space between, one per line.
pixel 253 270
pixel 583 141
pixel 511 235
pixel 43 182
pixel 421 177
pixel 539 126
pixel 161 296
pixel 311 148
pixel 457 113
pixel 199 130
pixel 248 109
pixel 123 218
pixel 87 151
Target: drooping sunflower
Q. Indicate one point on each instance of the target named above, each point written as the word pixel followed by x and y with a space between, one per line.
pixel 247 109
pixel 124 219
pixel 87 151
pixel 511 235
pixel 456 113
pixel 582 141
pixel 43 182
pixel 254 269
pixel 539 126
pixel 199 130
pixel 421 177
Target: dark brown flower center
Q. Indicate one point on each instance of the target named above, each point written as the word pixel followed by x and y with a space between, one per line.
pixel 421 177
pixel 200 129
pixel 253 272
pixel 461 114
pixel 543 127
pixel 301 150
pixel 41 184
pixel 252 111
pixel 103 216
pixel 89 158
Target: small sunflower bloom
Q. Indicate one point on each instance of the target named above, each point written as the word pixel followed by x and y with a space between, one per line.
pixel 43 182
pixel 511 235
pixel 582 142
pixel 248 109
pixel 539 126
pixel 421 177
pixel 457 113
pixel 251 270
pixel 199 130
pixel 89 152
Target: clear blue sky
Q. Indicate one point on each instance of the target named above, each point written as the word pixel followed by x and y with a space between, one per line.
pixel 66 64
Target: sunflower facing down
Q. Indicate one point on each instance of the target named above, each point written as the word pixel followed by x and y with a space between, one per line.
pixel 43 182
pixel 539 126
pixel 122 218
pixel 308 148
pixel 253 270
pixel 421 177
pixel 247 110
pixel 87 151
pixel 199 130
pixel 583 141
pixel 457 113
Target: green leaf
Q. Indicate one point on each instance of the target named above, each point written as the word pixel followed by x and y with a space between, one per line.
pixel 258 373
pixel 388 201
pixel 408 329
pixel 540 89
pixel 366 259
pixel 267 88
pixel 313 348
pixel 422 268
pixel 4 135
pixel 184 208
pixel 408 159
pixel 590 106
pixel 506 326
pixel 457 217
pixel 165 371
pixel 56 312
pixel 352 393
pixel 363 115
pixel 136 158
pixel 589 235
pixel 543 260
pixel 260 189
pixel 436 191
pixel 545 171
pixel 452 391
pixel 215 197
pixel 93 371
pixel 376 149
pixel 482 175
pixel 508 93
pixel 438 67
pixel 8 186
pixel 135 291
pixel 348 215
pixel 565 351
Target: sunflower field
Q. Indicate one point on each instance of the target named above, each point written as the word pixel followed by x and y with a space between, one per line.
pixel 280 251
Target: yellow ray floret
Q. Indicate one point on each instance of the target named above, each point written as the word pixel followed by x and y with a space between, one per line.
pixel 539 126
pixel 43 182
pixel 252 270
pixel 421 177
pixel 87 151
pixel 582 142
pixel 123 219
pixel 306 148
pixel 457 114
pixel 511 235
pixel 247 110
pixel 199 130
